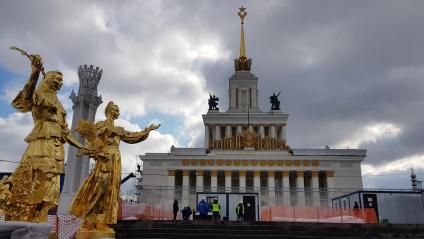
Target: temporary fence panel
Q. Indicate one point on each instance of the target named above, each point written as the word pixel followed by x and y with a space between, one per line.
pixel 317 214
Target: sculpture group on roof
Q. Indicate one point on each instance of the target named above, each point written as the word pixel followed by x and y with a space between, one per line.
pixel 213 102
pixel 275 103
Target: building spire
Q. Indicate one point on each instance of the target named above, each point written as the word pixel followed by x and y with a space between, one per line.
pixel 242 14
pixel 242 63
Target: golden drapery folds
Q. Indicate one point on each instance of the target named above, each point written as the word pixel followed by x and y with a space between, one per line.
pixel 97 199
pixel 34 186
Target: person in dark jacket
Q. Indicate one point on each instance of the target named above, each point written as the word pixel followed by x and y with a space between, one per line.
pixel 240 211
pixel 186 212
pixel 175 208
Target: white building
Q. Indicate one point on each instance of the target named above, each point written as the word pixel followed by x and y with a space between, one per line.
pixel 246 152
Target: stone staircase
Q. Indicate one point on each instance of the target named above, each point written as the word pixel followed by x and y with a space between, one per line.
pixel 263 230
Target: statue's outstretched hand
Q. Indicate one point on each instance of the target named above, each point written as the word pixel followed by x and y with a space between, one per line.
pixel 36 63
pixel 153 127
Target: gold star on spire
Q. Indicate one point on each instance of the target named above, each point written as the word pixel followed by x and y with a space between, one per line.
pixel 242 63
pixel 242 14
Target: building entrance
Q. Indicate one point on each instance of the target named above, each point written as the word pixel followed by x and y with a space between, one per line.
pixel 229 201
pixel 249 208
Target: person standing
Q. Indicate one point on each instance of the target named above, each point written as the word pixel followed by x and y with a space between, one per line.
pixel 240 211
pixel 203 209
pixel 175 209
pixel 186 212
pixel 356 210
pixel 216 208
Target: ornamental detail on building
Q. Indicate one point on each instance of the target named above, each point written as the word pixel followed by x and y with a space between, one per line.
pixel 249 139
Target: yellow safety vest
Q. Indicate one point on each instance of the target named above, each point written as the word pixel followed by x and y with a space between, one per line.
pixel 215 207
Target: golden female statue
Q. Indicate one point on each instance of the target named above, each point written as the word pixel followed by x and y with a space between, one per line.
pixel 97 199
pixel 34 186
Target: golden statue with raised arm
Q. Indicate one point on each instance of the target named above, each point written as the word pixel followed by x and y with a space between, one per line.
pixel 98 198
pixel 34 186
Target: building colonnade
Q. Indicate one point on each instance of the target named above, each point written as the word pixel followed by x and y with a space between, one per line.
pixel 292 188
pixel 218 132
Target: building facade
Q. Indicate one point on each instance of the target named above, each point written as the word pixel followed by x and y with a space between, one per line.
pixel 246 151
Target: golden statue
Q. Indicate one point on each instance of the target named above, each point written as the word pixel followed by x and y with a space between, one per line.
pixel 34 186
pixel 97 199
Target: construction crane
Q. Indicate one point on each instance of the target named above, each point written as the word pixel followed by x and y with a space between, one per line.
pixel 131 175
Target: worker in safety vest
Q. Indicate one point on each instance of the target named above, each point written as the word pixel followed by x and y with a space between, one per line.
pixel 215 209
pixel 240 211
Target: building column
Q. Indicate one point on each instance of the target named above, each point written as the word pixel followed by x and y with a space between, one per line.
pixel 261 131
pixel 228 131
pixel 271 187
pixel 242 178
pixel 239 129
pixel 199 181
pixel 214 181
pixel 283 133
pixel 331 186
pixel 300 189
pixel 253 99
pixel 315 189
pixel 185 188
pixel 227 181
pixel 233 96
pixel 238 98
pixel 286 188
pixel 206 136
pixel 256 181
pixel 273 131
pixel 217 132
pixel 171 182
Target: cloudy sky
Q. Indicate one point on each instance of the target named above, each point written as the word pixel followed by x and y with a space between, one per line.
pixel 351 72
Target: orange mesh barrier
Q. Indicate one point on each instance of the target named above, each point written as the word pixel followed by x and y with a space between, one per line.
pixel 316 214
pixel 145 212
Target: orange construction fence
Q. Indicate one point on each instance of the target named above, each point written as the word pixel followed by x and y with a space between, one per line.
pixel 318 214
pixel 144 212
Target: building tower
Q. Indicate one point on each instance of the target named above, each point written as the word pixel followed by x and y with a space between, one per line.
pixel 244 125
pixel 84 107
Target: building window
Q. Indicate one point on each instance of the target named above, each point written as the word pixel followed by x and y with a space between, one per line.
pixel 308 188
pixel 207 181
pixel 292 185
pixel 221 181
pixel 279 188
pixel 323 194
pixel 178 184
pixel 249 181
pixel 322 180
pixel 235 181
pixel 192 182
pixel 234 131
pixel 266 131
pixel 263 182
pixel 264 179
pixel 223 135
pixel 279 129
pixel 243 98
pixel 210 137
